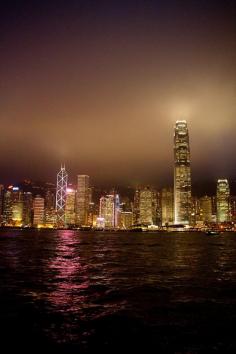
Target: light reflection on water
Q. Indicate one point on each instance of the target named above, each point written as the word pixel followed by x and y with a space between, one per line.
pixel 76 280
pixel 70 277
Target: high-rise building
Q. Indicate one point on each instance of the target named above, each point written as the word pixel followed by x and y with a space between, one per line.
pixel 157 215
pixel 38 211
pixel 233 208
pixel 106 210
pixel 167 206
pixel 13 206
pixel 70 207
pixel 195 217
pixel 206 209
pixel 222 201
pixel 62 179
pixel 182 174
pixel 7 207
pixel 116 209
pixel 50 213
pixel 109 210
pixel 155 207
pixel 146 206
pixel 136 210
pixel 125 220
pixel 92 216
pixel 17 207
pixel 83 197
pixel 214 207
pixel 27 208
pixel 90 195
pixel 1 202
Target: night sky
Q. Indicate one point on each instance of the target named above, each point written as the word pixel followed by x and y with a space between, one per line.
pixel 99 84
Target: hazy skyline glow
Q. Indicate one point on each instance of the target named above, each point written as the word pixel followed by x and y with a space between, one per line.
pixel 99 85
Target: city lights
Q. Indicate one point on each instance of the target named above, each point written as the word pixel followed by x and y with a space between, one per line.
pixel 174 207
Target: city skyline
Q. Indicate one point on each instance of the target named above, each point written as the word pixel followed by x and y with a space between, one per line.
pixel 118 176
pixel 71 208
pixel 99 84
pixel 75 206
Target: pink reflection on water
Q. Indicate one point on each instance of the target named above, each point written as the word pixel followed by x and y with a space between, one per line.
pixel 69 277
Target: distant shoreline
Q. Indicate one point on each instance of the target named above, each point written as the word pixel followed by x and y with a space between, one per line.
pixel 5 228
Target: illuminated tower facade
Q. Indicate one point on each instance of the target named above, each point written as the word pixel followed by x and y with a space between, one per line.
pixel 27 208
pixel 62 179
pixel 50 208
pixel 233 208
pixel 38 210
pixel 222 200
pixel 70 207
pixel 106 210
pixel 136 210
pixel 167 206
pixel 13 206
pixel 110 210
pixel 182 174
pixel 82 200
pixel 7 207
pixel 206 209
pixel 125 220
pixel 116 209
pixel 156 207
pixel 146 206
pixel 1 201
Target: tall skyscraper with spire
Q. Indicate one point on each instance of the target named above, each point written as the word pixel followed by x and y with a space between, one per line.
pixel 182 173
pixel 62 180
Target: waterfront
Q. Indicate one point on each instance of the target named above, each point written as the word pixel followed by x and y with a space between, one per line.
pixel 73 292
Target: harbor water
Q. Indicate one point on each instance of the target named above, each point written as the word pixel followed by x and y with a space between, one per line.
pixel 88 292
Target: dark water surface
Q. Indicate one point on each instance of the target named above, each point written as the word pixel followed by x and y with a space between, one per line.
pixel 72 292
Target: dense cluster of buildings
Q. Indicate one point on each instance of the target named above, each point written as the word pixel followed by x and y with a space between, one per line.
pixel 73 206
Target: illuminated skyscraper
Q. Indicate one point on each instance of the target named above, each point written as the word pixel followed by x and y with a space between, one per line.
pixel 125 220
pixel 92 214
pixel 62 178
pixel 182 174
pixel 27 208
pixel 167 206
pixel 38 210
pixel 116 209
pixel 83 196
pixel 222 200
pixel 146 206
pixel 109 210
pixel 70 206
pixel 156 207
pixel 136 210
pixel 7 207
pixel 233 208
pixel 50 214
pixel 206 209
pixel 106 210
pixel 1 201
pixel 17 212
pixel 13 206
